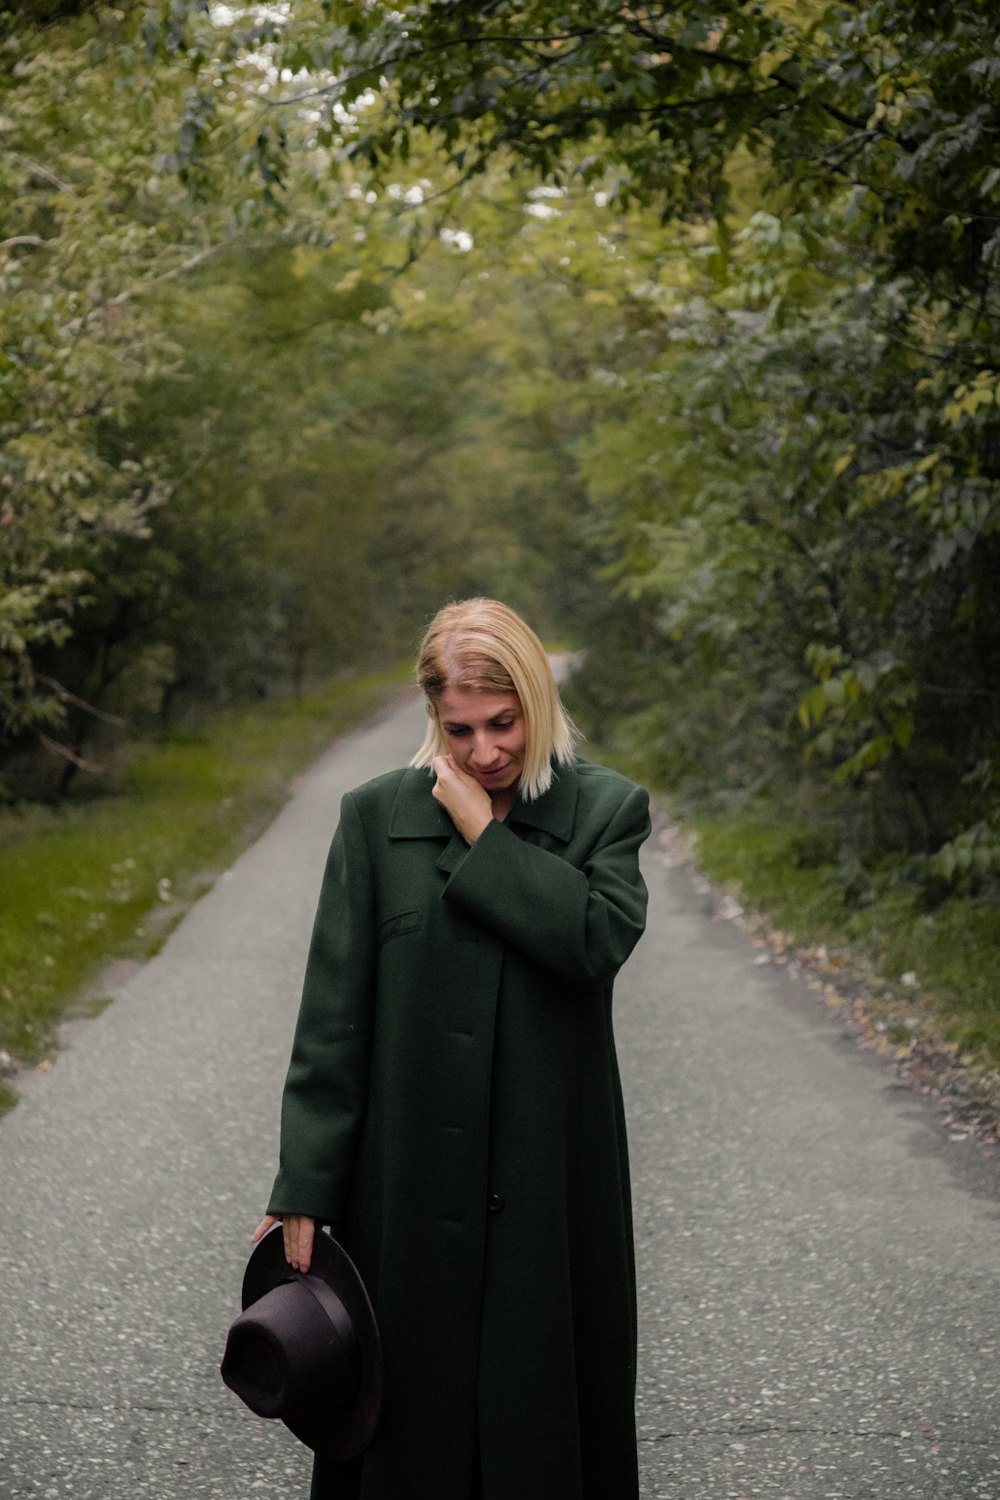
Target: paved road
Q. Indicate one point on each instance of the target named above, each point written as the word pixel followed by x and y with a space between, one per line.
pixel 817 1260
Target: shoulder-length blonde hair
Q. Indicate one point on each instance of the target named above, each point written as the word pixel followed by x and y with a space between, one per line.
pixel 482 646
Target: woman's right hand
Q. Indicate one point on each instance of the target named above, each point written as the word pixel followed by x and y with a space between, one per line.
pixel 299 1231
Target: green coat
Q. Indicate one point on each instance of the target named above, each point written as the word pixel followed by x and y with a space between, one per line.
pixel 453 1109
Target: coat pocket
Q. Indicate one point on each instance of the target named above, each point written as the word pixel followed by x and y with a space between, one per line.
pixel 403 921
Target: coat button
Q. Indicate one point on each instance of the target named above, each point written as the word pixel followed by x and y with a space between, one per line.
pixel 495 1203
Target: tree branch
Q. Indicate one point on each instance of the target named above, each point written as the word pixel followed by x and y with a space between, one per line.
pixel 171 275
pixel 26 239
pixel 36 169
pixel 65 696
pixel 66 753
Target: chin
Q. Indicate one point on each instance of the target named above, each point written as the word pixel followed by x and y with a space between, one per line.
pixel 499 783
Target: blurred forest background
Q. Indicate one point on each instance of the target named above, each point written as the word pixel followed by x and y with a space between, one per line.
pixel 675 326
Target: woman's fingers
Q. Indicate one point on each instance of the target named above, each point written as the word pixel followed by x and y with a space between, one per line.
pixel 463 799
pixel 299 1231
pixel 290 1231
pixel 444 767
pixel 266 1223
pixel 307 1235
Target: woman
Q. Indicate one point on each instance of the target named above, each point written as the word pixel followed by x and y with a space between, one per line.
pixel 453 1107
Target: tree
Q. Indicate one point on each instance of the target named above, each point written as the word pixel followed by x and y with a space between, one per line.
pixel 92 227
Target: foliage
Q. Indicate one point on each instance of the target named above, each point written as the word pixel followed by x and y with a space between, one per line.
pixel 804 548
pixel 91 226
pixel 246 481
pixel 674 323
pixel 662 94
pixel 793 481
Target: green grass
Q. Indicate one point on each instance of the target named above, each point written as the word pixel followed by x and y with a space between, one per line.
pixel 107 877
pixel 881 916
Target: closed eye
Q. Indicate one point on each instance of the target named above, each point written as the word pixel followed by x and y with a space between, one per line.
pixel 460 729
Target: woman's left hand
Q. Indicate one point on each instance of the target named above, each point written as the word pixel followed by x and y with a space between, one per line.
pixel 463 799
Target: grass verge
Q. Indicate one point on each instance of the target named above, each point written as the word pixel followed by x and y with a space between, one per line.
pixel 108 877
pixel 942 962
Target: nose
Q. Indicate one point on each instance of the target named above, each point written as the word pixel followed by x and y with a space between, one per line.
pixel 484 753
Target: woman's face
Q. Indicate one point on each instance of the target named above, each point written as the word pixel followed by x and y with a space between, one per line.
pixel 486 735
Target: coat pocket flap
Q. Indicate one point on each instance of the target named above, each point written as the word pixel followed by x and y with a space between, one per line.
pixel 403 921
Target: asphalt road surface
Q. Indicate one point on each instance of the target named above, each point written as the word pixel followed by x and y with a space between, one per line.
pixel 818 1261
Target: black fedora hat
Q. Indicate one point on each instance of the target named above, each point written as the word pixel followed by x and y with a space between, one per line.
pixel 306 1347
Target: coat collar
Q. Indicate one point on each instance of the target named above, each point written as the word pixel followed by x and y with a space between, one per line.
pixel 416 815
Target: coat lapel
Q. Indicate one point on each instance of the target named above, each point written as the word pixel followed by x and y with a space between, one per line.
pixel 416 815
pixel 555 811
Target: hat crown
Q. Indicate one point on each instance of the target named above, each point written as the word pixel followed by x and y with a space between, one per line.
pixel 285 1350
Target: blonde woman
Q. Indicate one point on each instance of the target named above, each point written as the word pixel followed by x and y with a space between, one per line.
pixel 453 1107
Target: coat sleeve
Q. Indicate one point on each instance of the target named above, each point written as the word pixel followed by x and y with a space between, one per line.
pixel 580 922
pixel 324 1096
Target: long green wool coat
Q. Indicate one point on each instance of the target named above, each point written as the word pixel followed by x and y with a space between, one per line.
pixel 453 1109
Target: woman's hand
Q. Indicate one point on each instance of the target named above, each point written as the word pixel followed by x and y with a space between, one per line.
pixel 299 1232
pixel 463 799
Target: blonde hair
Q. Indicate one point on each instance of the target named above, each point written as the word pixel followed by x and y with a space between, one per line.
pixel 482 646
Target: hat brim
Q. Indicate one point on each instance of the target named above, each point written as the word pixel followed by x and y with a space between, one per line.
pixel 334 1433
